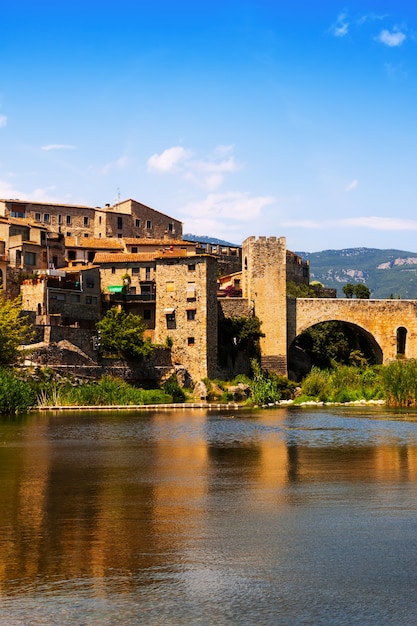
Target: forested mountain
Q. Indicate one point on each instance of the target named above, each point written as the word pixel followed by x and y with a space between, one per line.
pixel 387 273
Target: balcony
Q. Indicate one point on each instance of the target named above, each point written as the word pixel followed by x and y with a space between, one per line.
pixel 132 297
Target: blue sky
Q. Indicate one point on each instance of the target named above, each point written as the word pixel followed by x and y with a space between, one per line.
pixel 238 117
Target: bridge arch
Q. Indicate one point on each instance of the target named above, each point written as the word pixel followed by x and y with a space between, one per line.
pixel 366 342
pixel 388 324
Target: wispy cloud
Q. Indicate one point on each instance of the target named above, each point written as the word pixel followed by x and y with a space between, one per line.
pixel 208 173
pixel 352 185
pixel 392 39
pixel 119 164
pixel 3 121
pixel 232 205
pixel 341 26
pixel 8 190
pixel 372 222
pixel 58 146
pixel 169 159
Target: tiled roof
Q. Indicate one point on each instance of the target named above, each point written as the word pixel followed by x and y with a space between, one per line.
pixel 94 242
pixel 103 257
pixel 146 241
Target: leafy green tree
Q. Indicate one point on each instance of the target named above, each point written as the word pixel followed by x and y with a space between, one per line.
pixel 239 334
pixel 15 330
pixel 362 292
pixel 121 333
pixel 299 290
pixel 348 290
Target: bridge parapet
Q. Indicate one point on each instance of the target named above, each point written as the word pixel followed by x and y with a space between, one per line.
pixel 380 319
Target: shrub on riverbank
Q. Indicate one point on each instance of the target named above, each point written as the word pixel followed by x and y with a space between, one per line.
pixel 16 396
pixel 400 383
pixel 342 384
pixel 107 391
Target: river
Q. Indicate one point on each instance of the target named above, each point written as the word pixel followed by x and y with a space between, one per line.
pixel 280 516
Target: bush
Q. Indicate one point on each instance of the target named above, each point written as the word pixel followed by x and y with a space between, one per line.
pixel 15 395
pixel 264 388
pixel 172 388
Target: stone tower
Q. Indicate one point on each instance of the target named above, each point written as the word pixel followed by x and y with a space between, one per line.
pixel 264 285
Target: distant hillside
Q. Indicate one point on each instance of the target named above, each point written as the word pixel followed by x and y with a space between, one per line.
pixel 205 239
pixel 386 272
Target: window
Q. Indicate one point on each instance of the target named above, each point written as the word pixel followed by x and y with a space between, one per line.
pixel 120 235
pixel 85 234
pixel 54 261
pixel 59 219
pixel 191 313
pixel 134 250
pixel 91 254
pixel 99 220
pixel 135 270
pixel 190 341
pixel 171 227
pixel 69 222
pixel 170 286
pixel 46 218
pixel 72 255
pixel 190 290
pixel 171 320
pixel 119 223
pixel 147 273
pixel 147 314
pixel 137 223
pixel 148 224
pixel 68 234
pixel 75 297
pixel 37 217
pixel 86 220
pixel 88 299
pixel 30 258
pixel 191 267
pixel 18 210
pixel 113 270
pixel 89 282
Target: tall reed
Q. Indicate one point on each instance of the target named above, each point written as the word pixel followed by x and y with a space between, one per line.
pixel 400 383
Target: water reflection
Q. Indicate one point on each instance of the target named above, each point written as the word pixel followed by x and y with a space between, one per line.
pixel 197 515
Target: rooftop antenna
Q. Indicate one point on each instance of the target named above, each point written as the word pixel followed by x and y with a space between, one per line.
pixel 118 198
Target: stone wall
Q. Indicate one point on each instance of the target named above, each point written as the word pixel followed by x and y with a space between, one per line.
pixel 186 312
pixel 264 285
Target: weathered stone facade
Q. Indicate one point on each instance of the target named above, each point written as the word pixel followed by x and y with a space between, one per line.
pixel 186 312
pixel 264 283
pixel 124 219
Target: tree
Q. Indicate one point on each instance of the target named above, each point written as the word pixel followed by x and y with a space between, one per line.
pixel 239 334
pixel 362 292
pixel 121 333
pixel 15 330
pixel 349 290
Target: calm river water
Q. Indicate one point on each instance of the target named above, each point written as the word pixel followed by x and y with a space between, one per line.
pixel 282 516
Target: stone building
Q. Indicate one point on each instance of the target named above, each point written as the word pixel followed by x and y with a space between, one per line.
pixel 186 311
pixel 69 297
pixel 124 219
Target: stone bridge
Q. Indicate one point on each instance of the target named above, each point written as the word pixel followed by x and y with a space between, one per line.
pixel 389 325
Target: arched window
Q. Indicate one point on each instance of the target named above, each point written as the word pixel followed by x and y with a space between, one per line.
pixel 246 263
pixel 401 339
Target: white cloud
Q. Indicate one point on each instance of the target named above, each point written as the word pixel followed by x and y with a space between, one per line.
pixel 372 222
pixel 391 38
pixel 3 121
pixel 7 190
pixel 119 164
pixel 341 27
pixel 206 173
pixel 58 146
pixel 352 185
pixel 232 205
pixel 168 160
